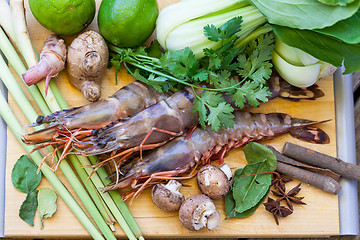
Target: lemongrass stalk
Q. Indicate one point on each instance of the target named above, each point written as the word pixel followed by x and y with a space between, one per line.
pixel 19 25
pixel 108 199
pixel 15 90
pixel 115 195
pixel 17 130
pixel 94 194
pixel 50 99
pixel 6 18
pixel 11 55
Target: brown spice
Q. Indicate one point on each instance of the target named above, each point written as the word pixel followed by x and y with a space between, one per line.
pixel 279 181
pixel 290 196
pixel 276 209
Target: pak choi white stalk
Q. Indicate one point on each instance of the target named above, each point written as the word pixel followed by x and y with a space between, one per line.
pixel 178 28
pixel 176 14
pixel 297 67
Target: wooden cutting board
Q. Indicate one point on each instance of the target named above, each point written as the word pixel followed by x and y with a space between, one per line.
pixel 318 218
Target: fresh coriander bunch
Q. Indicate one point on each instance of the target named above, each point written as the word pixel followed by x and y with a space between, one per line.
pixel 212 74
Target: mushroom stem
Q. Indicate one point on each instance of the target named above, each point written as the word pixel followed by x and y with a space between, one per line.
pixel 226 169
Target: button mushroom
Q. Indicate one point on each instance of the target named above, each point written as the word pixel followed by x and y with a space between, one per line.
pixel 199 211
pixel 213 181
pixel 167 197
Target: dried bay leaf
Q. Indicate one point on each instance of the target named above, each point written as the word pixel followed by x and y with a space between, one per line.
pixel 47 204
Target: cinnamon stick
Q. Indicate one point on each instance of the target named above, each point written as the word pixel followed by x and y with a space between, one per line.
pixel 320 181
pixel 318 159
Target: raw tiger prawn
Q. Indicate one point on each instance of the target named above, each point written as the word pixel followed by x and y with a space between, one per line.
pixel 181 155
pixel 84 129
pixel 127 101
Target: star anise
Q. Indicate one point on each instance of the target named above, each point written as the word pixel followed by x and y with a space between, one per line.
pixel 276 209
pixel 279 181
pixel 290 196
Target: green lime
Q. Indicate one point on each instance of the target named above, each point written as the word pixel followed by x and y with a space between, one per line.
pixel 64 17
pixel 127 23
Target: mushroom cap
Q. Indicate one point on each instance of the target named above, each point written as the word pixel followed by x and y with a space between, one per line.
pixel 213 182
pixel 165 198
pixel 199 211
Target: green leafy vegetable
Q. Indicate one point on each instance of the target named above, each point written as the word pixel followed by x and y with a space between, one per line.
pixel 176 69
pixel 347 30
pixel 230 206
pixel 24 175
pixel 249 190
pixel 28 207
pixel 336 2
pixel 325 48
pixel 304 14
pixel 251 184
pixel 47 204
pixel 255 152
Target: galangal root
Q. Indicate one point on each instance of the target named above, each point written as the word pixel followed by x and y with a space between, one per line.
pixel 52 61
pixel 88 57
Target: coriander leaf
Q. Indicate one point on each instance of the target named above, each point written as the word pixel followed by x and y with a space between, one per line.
pixel 181 63
pixel 253 63
pixel 28 207
pixel 255 152
pixel 200 76
pixel 221 116
pixel 213 110
pixel 225 31
pixel 199 106
pixel 154 49
pixel 24 175
pixel 251 93
pixel 249 190
pixel 47 204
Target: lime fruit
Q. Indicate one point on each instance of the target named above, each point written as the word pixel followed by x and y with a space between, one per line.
pixel 127 23
pixel 63 17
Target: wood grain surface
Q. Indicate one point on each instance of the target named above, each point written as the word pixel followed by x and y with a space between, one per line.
pixel 318 218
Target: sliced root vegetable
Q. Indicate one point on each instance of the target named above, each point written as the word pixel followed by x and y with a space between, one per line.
pixel 299 76
pixel 52 61
pixel 88 57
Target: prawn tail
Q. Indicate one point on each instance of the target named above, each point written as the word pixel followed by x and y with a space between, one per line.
pixel 304 130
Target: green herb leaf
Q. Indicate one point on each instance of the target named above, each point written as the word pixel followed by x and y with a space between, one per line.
pixel 47 204
pixel 28 207
pixel 254 62
pixel 304 14
pixel 225 31
pixel 230 206
pixel 255 152
pixel 24 175
pixel 181 63
pixel 325 48
pixel 249 190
